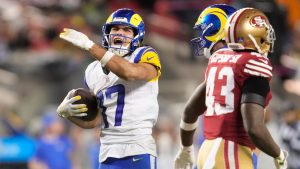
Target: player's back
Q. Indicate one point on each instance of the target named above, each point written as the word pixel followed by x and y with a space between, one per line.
pixel 225 75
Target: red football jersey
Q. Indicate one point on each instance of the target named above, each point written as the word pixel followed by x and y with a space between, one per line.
pixel 225 75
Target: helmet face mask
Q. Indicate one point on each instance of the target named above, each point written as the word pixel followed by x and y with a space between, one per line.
pixel 121 46
pixel 249 28
pixel 210 27
pixel 128 18
pixel 199 45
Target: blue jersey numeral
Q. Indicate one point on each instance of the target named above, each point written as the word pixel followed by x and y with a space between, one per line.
pixel 120 90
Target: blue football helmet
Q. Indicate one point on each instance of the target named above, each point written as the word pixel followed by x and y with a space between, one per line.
pixel 125 17
pixel 210 27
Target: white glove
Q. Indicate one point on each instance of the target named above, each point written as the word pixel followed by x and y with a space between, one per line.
pixel 67 108
pixel 281 161
pixel 185 158
pixel 76 38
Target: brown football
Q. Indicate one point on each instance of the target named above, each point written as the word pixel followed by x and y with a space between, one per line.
pixel 90 100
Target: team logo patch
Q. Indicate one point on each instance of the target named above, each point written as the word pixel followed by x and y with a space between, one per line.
pixel 258 21
pixel 240 39
pixel 136 159
pixel 149 58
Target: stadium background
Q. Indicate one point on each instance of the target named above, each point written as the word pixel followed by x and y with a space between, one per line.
pixel 37 69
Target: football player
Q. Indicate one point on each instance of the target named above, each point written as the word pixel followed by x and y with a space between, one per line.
pixel 236 92
pixel 124 77
pixel 210 27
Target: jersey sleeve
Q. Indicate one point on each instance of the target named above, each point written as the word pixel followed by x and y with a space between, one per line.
pixel 149 55
pixel 255 64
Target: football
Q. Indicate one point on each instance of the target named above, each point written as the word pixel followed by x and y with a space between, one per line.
pixel 90 100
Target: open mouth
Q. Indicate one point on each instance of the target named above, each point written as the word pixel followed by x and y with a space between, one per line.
pixel 118 41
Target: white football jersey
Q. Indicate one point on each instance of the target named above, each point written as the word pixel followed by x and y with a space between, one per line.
pixel 129 108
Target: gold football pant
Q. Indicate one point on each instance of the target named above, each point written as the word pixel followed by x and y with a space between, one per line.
pixel 224 154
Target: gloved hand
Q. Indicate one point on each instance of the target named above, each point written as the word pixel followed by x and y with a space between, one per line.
pixel 281 161
pixel 76 38
pixel 67 108
pixel 185 158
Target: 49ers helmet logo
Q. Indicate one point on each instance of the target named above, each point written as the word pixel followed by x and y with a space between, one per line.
pixel 258 21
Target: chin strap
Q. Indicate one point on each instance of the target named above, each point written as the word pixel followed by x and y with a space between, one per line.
pixel 255 44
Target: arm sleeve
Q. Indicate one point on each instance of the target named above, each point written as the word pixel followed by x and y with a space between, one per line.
pixel 255 90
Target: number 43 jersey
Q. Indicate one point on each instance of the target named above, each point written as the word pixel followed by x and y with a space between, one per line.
pixel 129 108
pixel 225 75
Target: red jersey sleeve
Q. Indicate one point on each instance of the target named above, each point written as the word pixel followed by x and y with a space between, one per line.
pixel 254 64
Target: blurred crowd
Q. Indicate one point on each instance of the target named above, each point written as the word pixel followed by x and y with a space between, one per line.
pixel 37 69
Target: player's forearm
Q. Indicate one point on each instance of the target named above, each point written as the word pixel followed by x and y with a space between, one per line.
pixel 188 126
pixel 253 120
pixel 194 107
pixel 263 140
pixel 116 64
pixel 119 66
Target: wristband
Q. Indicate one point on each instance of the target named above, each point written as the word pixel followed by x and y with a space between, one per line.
pixel 106 57
pixel 188 126
pixel 89 45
